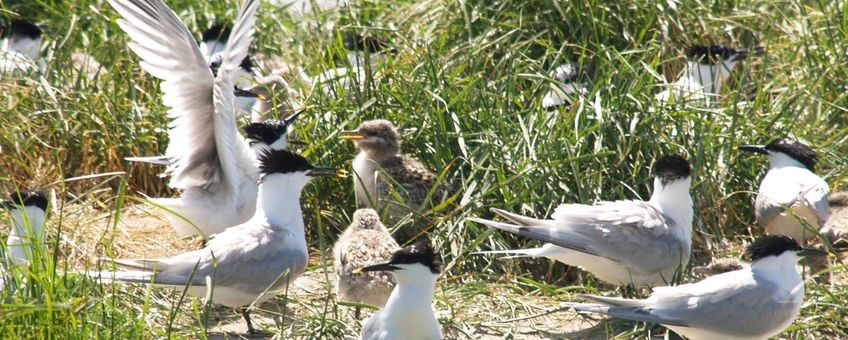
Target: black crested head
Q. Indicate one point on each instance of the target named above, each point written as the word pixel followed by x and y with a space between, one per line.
pixel 710 54
pixel 266 132
pixel 671 168
pixel 359 42
pixel 419 252
pixel 21 28
pixel 246 64
pixel 771 245
pixel 795 149
pixel 218 31
pixel 23 198
pixel 282 162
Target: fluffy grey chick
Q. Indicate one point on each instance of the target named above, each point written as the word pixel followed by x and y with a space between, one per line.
pixel 383 174
pixel 364 242
pixel 836 227
pixel 264 89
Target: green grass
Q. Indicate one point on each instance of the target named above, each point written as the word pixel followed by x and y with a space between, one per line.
pixel 465 89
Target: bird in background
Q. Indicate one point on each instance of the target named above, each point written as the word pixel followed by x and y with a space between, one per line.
pixel 249 263
pixel 365 241
pixel 386 179
pixel 270 134
pixel 836 226
pixel 567 86
pixel 267 103
pixel 27 210
pixel 756 302
pixel 621 242
pixel 791 195
pixel 707 68
pixel 365 56
pixel 20 45
pixel 209 162
pixel 408 313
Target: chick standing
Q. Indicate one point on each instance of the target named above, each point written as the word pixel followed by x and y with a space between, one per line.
pixel 383 174
pixel 365 241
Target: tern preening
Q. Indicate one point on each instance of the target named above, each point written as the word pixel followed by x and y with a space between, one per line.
pixel 791 196
pixel 755 302
pixel 707 68
pixel 249 263
pixel 384 174
pixel 208 160
pixel 409 311
pixel 365 241
pixel 621 242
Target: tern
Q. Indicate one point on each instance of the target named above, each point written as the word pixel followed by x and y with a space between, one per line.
pixel 209 162
pixel 622 242
pixel 567 86
pixel 20 44
pixel 27 210
pixel 365 241
pixel 706 69
pixel 791 195
pixel 385 178
pixel 248 263
pixel 408 313
pixel 756 302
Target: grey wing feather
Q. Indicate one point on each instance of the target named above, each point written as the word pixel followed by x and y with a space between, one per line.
pixel 766 209
pixel 743 310
pixel 628 313
pixel 541 233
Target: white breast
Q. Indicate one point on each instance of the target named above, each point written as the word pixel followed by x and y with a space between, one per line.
pixel 364 180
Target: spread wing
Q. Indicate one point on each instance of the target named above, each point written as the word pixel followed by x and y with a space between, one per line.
pixel 202 131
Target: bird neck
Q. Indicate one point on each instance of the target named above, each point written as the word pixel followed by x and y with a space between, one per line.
pixel 674 200
pixel 779 160
pixel 279 200
pixel 778 269
pixel 708 77
pixel 379 156
pixel 26 46
pixel 26 233
pixel 412 298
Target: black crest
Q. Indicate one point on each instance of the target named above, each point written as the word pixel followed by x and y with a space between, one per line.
pixel 797 150
pixel 29 198
pixel 359 42
pixel 771 245
pixel 218 31
pixel 710 54
pixel 419 252
pixel 282 162
pixel 266 132
pixel 246 64
pixel 672 167
pixel 21 28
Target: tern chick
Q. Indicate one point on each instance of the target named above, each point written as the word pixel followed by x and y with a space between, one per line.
pixel 383 174
pixel 365 241
pixel 791 195
pixel 409 311
pixel 248 263
pixel 567 87
pixel 621 242
pixel 755 302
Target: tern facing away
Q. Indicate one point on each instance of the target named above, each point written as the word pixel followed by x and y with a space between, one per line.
pixel 567 87
pixel 755 302
pixel 707 68
pixel 622 242
pixel 208 160
pixel 365 241
pixel 27 210
pixel 790 184
pixel 248 263
pixel 409 311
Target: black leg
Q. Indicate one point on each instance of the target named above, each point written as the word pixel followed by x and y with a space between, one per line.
pixel 356 312
pixel 245 313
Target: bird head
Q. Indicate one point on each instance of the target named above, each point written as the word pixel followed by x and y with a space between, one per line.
pixel 26 208
pixel 367 218
pixel 414 264
pixel 780 246
pixel 672 168
pixel 377 137
pixel 271 134
pixel 779 150
pixel 22 36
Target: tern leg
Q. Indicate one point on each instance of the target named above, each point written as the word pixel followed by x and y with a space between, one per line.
pixel 245 313
pixel 356 312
